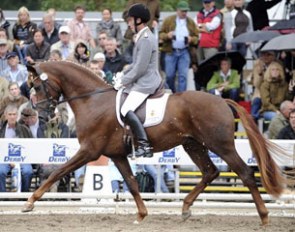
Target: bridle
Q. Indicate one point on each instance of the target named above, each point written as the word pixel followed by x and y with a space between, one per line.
pixel 50 100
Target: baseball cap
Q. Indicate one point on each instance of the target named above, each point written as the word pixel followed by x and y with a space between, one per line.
pixel 99 56
pixel 65 29
pixel 11 54
pixel 207 1
pixel 182 5
pixel 3 41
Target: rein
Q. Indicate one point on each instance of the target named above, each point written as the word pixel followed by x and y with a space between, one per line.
pixel 85 95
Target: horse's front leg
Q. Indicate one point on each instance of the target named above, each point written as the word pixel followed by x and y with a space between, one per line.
pixel 82 157
pixel 125 169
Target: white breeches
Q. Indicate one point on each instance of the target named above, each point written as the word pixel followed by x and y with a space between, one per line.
pixel 133 101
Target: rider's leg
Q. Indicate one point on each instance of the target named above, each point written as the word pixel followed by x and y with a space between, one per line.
pixel 143 148
pixel 131 103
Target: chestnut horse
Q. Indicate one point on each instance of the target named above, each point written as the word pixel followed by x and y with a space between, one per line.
pixel 196 120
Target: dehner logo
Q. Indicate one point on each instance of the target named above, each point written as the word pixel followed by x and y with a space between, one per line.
pixel 14 153
pixel 169 157
pixel 58 154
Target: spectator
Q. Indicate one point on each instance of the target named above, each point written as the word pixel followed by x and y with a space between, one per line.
pixel 237 22
pixel 280 120
pixel 3 88
pixel 101 39
pixel 12 129
pixel 15 72
pixel 55 55
pixel 178 34
pixel 4 36
pixel 209 22
pixel 228 7
pixel 288 132
pixel 50 12
pixel 3 56
pixel 154 9
pixel 39 50
pixel 258 10
pixel 108 25
pixel 79 29
pixel 14 97
pixel 23 31
pixel 55 128
pixel 4 23
pixel 152 170
pixel 273 90
pixel 100 59
pixel 260 66
pixel 64 45
pixel 81 54
pixel 288 59
pixel 225 82
pixel 96 65
pixel 49 29
pixel 114 60
pixel 117 179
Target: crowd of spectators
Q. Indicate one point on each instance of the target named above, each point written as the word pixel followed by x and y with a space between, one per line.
pixel 184 43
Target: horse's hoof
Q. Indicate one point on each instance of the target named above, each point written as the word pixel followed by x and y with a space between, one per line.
pixel 186 215
pixel 28 207
pixel 135 222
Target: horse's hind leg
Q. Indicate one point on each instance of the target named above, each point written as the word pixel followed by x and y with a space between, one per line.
pixel 246 174
pixel 124 168
pixel 199 155
pixel 82 157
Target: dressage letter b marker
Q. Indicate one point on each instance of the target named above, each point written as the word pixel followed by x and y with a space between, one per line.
pixel 97 181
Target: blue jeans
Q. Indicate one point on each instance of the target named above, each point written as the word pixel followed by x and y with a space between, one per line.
pixel 152 170
pixel 177 61
pixel 116 186
pixel 255 108
pixel 268 115
pixel 21 52
pixel 78 173
pixel 26 176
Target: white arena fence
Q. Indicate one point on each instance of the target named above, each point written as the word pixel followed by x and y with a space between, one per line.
pixel 97 181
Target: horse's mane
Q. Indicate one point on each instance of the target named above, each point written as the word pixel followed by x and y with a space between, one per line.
pixel 91 75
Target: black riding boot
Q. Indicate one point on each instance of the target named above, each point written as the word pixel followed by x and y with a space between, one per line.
pixel 143 148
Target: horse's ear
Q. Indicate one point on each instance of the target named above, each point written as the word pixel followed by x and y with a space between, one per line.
pixel 32 69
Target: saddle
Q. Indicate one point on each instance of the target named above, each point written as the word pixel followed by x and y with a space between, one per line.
pixel 150 112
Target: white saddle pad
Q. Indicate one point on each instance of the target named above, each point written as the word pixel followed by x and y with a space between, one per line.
pixel 155 109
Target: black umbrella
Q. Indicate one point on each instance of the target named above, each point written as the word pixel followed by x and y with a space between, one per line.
pixel 209 66
pixel 284 25
pixel 255 36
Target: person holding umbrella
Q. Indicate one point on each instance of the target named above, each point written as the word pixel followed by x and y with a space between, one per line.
pixel 225 82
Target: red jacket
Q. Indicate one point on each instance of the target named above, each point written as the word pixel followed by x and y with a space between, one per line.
pixel 211 39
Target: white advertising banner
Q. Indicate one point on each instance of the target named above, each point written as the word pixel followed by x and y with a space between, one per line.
pixel 59 151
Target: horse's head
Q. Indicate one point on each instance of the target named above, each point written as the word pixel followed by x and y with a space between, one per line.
pixel 47 91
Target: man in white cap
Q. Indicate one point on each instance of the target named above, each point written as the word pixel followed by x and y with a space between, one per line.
pixel 64 45
pixel 3 59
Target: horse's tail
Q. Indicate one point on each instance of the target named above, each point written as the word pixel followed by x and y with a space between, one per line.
pixel 271 176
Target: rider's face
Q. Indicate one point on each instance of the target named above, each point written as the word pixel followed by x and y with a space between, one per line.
pixel 130 22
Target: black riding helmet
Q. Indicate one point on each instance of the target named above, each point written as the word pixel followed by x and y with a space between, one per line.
pixel 139 11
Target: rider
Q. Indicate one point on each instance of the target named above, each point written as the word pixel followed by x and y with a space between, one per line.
pixel 141 78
